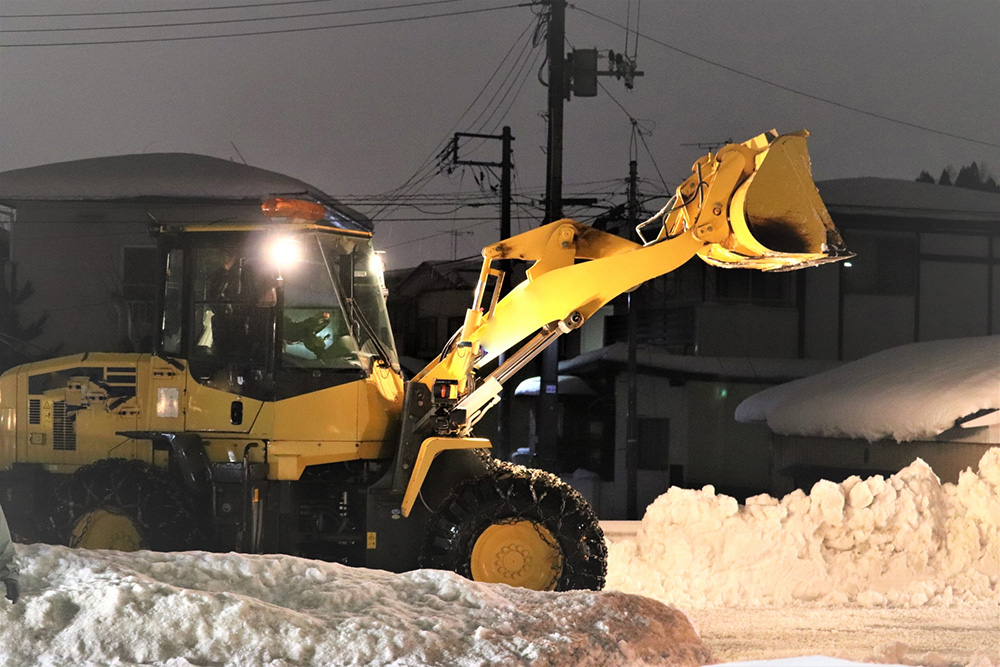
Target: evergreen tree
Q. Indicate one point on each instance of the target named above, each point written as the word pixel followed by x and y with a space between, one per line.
pixel 15 337
pixel 971 177
pixel 968 177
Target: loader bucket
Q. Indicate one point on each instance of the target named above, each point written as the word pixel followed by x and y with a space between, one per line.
pixel 777 219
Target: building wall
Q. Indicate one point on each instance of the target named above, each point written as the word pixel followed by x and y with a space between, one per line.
pixel 913 286
pixel 874 322
pixel 958 285
pixel 798 462
pixel 75 269
pixel 731 456
pixel 73 253
pixel 443 311
pixel 747 330
pixel 821 321
pixel 705 445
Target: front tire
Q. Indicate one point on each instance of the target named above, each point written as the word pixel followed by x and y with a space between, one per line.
pixel 125 505
pixel 521 527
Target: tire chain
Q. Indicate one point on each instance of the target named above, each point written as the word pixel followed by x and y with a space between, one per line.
pixel 553 503
pixel 135 489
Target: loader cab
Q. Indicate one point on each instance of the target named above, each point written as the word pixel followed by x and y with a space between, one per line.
pixel 271 312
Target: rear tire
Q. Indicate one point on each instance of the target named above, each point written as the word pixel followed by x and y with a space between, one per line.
pixel 518 526
pixel 125 505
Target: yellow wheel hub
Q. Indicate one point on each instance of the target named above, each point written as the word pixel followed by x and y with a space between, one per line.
pixel 519 553
pixel 100 529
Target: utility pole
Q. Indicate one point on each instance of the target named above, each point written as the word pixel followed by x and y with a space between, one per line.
pixel 455 233
pixel 632 407
pixel 506 164
pixel 557 96
pixel 546 419
pixel 578 77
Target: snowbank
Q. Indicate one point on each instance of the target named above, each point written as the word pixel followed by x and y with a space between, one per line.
pixel 873 545
pixel 112 608
pixel 905 393
pixel 905 541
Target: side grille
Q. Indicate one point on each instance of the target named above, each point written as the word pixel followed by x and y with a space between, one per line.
pixel 63 433
pixel 34 411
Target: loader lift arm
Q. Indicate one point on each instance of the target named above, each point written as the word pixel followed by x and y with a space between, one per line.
pixel 751 205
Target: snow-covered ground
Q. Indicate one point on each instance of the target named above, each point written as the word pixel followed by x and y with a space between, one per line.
pixel 897 571
pixel 113 608
pixel 903 569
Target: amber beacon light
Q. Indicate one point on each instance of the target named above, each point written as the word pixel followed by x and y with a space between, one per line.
pixel 293 209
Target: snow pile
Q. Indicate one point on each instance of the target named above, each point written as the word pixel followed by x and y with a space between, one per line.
pixel 906 541
pixel 113 608
pixel 905 393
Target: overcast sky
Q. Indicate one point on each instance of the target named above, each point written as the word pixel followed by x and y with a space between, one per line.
pixel 357 110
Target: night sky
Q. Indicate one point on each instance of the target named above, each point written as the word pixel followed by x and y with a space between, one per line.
pixel 357 110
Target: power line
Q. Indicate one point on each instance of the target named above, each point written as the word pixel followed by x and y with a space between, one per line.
pixel 428 169
pixel 446 232
pixel 185 24
pixel 517 93
pixel 212 8
pixel 789 89
pixel 508 83
pixel 259 33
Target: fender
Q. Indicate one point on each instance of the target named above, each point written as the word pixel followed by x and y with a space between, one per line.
pixel 430 448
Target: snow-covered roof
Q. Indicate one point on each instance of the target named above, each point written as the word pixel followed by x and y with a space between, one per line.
pixel 158 177
pixel 166 175
pixel 653 359
pixel 569 385
pixel 910 199
pixel 905 393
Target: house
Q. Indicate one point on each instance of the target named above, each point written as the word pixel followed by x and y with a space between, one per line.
pixel 936 400
pixel 79 233
pixel 427 304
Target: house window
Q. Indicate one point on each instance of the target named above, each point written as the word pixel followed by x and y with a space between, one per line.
pixel 6 222
pixel 885 264
pixel 753 286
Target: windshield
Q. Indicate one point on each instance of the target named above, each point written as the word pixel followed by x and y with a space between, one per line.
pixel 334 311
pixel 264 303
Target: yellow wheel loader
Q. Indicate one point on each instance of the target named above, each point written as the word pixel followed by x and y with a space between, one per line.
pixel 272 417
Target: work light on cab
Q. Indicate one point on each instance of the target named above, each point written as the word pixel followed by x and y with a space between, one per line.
pixel 285 252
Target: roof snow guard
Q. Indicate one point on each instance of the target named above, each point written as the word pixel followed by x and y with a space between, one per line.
pixel 151 177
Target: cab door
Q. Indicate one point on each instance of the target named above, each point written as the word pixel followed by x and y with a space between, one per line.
pixel 217 324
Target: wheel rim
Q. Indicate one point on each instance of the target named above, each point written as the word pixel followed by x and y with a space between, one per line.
pixel 101 529
pixel 519 553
